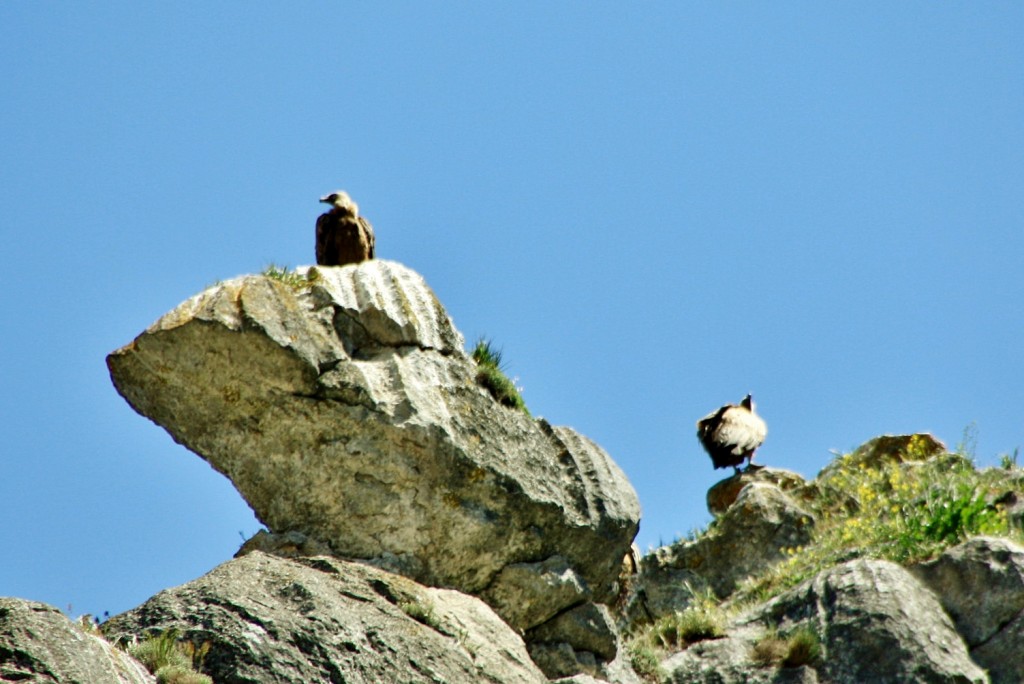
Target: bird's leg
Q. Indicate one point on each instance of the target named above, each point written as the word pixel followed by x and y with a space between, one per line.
pixel 750 464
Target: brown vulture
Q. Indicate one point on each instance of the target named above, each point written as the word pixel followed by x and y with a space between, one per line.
pixel 342 235
pixel 731 434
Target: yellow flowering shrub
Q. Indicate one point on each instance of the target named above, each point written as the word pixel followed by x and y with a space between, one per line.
pixel 904 510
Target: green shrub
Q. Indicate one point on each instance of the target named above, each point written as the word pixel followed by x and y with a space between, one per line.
pixel 491 376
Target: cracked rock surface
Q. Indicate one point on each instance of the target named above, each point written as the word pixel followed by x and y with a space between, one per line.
pixel 39 644
pixel 342 406
pixel 320 619
pixel 980 583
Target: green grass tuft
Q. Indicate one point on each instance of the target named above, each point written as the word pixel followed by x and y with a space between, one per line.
pixel 1009 461
pixel 159 651
pixel 491 375
pixel 175 674
pixel 294 280
pixel 703 619
pixel 801 647
pixel 644 660
pixel 171 660
pixel 422 612
pixel 770 650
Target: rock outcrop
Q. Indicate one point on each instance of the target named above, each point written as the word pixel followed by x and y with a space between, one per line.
pixel 420 531
pixel 980 583
pixel 957 618
pixel 320 619
pixel 288 609
pixel 342 406
pixel 749 535
pixel 876 623
pixel 40 644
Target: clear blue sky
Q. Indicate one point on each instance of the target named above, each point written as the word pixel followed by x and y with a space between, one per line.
pixel 652 211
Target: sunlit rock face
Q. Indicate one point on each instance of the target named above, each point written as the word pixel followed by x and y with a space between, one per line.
pixel 341 405
pixel 38 643
pixel 318 619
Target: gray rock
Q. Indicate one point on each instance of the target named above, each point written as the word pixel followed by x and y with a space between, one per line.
pixel 1001 654
pixel 270 619
pixel 727 661
pixel 40 644
pixel 746 538
pixel 580 644
pixel 559 660
pixel 724 493
pixel 980 583
pixel 877 624
pixel 562 663
pixel 345 408
pixel 588 627
pixel 287 545
pixel 889 448
pixel 533 593
pixel 578 679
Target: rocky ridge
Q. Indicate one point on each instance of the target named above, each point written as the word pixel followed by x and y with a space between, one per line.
pixel 419 531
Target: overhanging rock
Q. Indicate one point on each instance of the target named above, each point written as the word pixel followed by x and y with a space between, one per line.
pixel 341 404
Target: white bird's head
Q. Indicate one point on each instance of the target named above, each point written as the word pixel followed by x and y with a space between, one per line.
pixel 341 200
pixel 748 402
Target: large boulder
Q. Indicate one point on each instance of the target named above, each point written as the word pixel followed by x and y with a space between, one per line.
pixel 877 624
pixel 980 583
pixel 319 619
pixel 341 405
pixel 40 644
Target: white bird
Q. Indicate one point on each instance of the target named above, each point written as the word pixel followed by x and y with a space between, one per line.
pixel 732 434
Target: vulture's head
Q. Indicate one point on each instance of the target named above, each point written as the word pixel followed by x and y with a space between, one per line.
pixel 748 402
pixel 341 200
